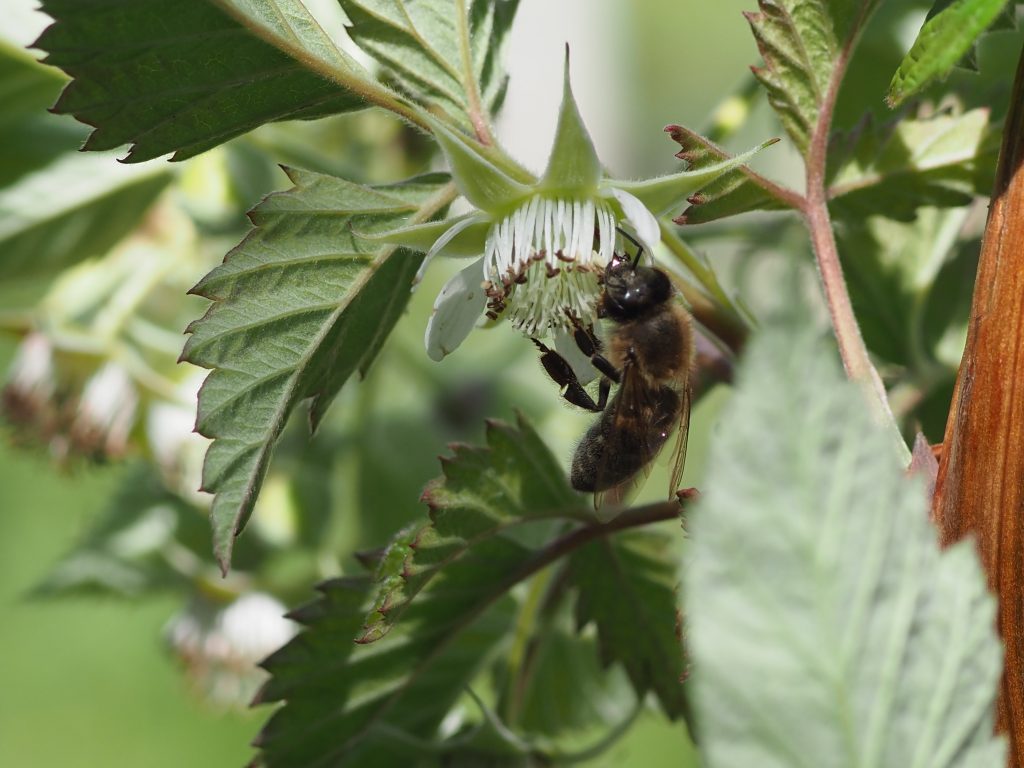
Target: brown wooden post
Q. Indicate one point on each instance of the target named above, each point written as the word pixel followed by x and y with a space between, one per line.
pixel 980 484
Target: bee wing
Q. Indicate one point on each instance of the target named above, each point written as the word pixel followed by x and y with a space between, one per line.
pixel 682 437
pixel 636 407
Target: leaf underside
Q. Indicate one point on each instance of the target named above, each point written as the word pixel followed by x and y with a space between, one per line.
pixel 177 76
pixel 298 306
pixel 825 626
pixel 801 42
pixel 426 47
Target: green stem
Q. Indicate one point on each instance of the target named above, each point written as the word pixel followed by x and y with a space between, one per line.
pixel 475 108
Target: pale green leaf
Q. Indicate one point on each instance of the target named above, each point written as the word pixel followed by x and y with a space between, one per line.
pixel 946 37
pixel 183 76
pixel 943 160
pixel 801 42
pixel 299 305
pixel 825 626
pixel 77 207
pixel 442 52
pixel 29 136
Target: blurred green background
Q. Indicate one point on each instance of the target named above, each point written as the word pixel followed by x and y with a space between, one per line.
pixel 87 681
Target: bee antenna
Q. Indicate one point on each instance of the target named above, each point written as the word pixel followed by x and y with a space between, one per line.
pixel 634 241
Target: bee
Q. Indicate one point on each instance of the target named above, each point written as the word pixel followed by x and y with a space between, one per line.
pixel 649 356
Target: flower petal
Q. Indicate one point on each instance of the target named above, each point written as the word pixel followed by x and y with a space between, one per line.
pixel 481 182
pixel 573 165
pixel 466 233
pixel 639 217
pixel 662 194
pixel 456 310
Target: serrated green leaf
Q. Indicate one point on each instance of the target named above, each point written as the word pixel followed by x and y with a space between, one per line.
pixel 825 626
pixel 442 52
pixel 945 39
pixel 483 491
pixel 348 704
pixel 732 193
pixel 77 207
pixel 801 42
pixel 183 76
pixel 661 194
pixel 943 160
pixel 568 689
pixel 627 588
pixel 299 305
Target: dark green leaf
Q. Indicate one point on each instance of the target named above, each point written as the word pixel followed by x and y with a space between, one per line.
pixel 802 42
pixel 474 508
pixel 890 269
pixel 299 305
pixel 947 37
pixel 442 52
pixel 627 587
pixel 381 705
pixel 825 625
pixel 943 160
pixel 414 657
pixel 183 76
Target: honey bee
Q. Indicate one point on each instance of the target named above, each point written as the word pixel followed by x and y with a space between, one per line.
pixel 649 356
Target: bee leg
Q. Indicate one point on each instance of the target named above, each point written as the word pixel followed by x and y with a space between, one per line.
pixel 558 368
pixel 591 347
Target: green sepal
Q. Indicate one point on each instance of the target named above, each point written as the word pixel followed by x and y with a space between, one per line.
pixel 481 182
pixel 573 164
pixel 665 193
pixel 422 237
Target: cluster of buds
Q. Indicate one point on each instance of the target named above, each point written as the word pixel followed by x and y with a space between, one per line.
pixel 93 419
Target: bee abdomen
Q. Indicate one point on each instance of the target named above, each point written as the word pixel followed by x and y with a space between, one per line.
pixel 616 446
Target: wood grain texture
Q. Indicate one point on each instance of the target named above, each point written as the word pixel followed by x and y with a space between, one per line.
pixel 980 484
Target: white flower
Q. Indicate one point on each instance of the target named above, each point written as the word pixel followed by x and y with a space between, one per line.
pixel 541 245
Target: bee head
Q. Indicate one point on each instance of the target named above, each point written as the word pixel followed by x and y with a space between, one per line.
pixel 630 291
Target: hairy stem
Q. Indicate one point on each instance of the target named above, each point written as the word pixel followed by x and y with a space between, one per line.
pixel 814 206
pixel 475 108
